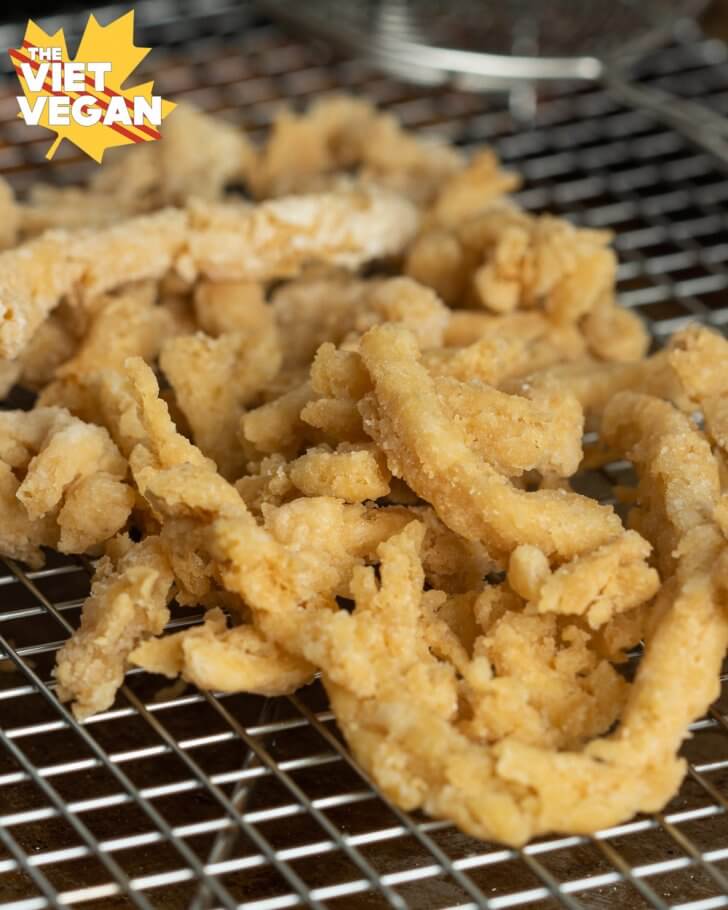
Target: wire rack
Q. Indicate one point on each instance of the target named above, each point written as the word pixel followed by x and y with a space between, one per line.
pixel 182 799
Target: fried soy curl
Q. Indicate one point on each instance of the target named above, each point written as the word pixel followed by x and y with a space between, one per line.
pixel 219 240
pixel 343 426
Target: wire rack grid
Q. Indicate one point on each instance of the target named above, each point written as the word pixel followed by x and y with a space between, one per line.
pixel 181 799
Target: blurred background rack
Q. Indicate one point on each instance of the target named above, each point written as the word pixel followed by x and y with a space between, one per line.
pixel 178 799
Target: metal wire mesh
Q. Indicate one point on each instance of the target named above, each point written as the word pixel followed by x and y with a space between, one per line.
pixel 184 799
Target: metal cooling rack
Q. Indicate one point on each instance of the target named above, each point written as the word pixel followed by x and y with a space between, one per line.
pixel 180 799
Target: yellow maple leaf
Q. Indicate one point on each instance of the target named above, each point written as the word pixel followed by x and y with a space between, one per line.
pixel 113 44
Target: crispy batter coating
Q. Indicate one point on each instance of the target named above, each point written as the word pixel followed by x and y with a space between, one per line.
pixel 363 461
pixel 559 698
pixel 613 333
pixel 700 358
pixel 303 149
pixel 503 347
pixel 612 579
pixel 349 534
pixel 21 537
pixel 267 482
pixel 213 380
pixel 277 426
pixel 54 342
pixel 405 301
pixel 406 163
pixel 679 482
pixel 9 216
pixel 540 432
pixel 399 707
pixel 390 684
pixel 161 445
pixel 51 499
pixel 347 134
pixel 351 473
pixel 10 371
pixel 472 189
pixel 131 588
pixel 125 324
pixel 431 453
pixel 503 259
pixel 221 241
pixel 346 227
pixel 222 659
pixel 314 309
pixel 33 278
pixel 637 768
pixel 594 383
pixel 231 306
pixel 200 154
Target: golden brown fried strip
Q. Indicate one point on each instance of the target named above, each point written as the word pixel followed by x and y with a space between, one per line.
pixel 404 301
pixel 220 241
pixel 472 189
pixel 10 371
pixel 338 307
pixel 215 657
pixel 594 384
pixel 612 579
pixel 200 154
pixel 700 358
pixel 636 768
pixel 267 482
pixel 278 581
pixel 231 306
pixel 346 227
pixel 352 473
pixel 21 537
pixel 540 432
pixel 679 484
pixel 9 216
pixel 213 380
pixel 131 588
pixel 35 276
pixel 185 498
pixel 114 326
pixel 277 426
pixel 59 494
pixel 388 689
pixel 342 535
pixel 406 419
pixel 451 563
pixel 314 309
pixel 504 347
pixel 537 681
pixel 613 333
pixel 504 258
pixel 125 325
pixel 302 149
pixel 54 342
pixel 180 486
pixel 346 134
pixel 406 163
pixel 161 446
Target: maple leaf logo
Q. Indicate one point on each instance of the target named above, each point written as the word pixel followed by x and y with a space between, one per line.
pixel 109 114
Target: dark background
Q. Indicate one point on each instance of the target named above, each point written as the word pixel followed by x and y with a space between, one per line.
pixel 715 21
pixel 10 12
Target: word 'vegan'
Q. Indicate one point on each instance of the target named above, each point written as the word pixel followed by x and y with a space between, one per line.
pixel 49 72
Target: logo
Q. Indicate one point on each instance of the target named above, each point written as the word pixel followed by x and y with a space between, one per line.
pixel 84 100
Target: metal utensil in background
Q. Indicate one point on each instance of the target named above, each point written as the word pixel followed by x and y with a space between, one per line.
pixel 514 46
